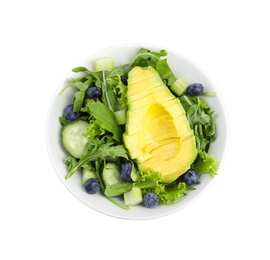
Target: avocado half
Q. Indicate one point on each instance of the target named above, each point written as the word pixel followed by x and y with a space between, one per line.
pixel 158 135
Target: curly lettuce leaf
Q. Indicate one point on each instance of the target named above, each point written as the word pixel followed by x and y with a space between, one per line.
pixel 150 181
pixel 170 194
pixel 120 91
pixel 207 164
pixel 95 129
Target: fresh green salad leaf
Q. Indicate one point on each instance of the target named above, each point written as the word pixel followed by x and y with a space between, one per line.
pixel 150 181
pixel 207 164
pixel 169 194
pixel 71 83
pixel 120 91
pixel 201 120
pixel 146 58
pixel 95 150
pixel 80 69
pixel 80 94
pixel 109 98
pixel 106 119
pixel 95 129
pixel 165 72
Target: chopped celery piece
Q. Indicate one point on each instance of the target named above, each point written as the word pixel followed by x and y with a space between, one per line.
pixel 120 116
pixel 104 64
pixel 133 197
pixel 87 174
pixel 179 86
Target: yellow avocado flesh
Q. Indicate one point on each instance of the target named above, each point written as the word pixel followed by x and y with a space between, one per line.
pixel 158 135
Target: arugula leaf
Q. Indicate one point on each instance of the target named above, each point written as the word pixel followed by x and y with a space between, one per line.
pixel 196 115
pixel 165 72
pixel 146 58
pixel 201 120
pixel 106 118
pixel 118 189
pixel 157 54
pixel 72 82
pixel 95 150
pixel 80 94
pixel 108 96
pixel 100 78
pixel 80 69
pixel 150 181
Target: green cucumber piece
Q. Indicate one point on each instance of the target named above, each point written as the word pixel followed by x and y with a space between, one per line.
pixel 87 174
pixel 111 174
pixel 120 116
pixel 73 137
pixel 179 86
pixel 104 64
pixel 133 197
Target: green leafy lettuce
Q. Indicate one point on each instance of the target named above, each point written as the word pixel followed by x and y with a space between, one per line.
pixel 105 120
pixel 147 58
pixel 201 120
pixel 207 163
pixel 113 92
pixel 150 181
pixel 95 150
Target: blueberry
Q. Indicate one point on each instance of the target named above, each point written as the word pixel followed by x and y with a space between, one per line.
pixel 70 114
pixel 92 186
pixel 124 80
pixel 150 200
pixel 190 177
pixel 195 89
pixel 93 91
pixel 125 171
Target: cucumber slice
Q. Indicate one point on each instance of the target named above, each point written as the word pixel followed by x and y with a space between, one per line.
pixel 179 87
pixel 87 174
pixel 120 116
pixel 133 197
pixel 104 64
pixel 73 137
pixel 111 174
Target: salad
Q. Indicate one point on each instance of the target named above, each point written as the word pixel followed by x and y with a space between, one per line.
pixel 136 133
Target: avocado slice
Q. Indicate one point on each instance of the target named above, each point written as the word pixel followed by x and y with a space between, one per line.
pixel 158 135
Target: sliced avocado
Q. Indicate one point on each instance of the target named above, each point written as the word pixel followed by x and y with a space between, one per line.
pixel 158 135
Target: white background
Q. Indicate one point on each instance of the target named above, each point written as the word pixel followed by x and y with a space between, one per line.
pixel 42 40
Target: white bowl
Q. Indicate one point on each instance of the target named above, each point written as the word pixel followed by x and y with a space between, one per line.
pixel 182 67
